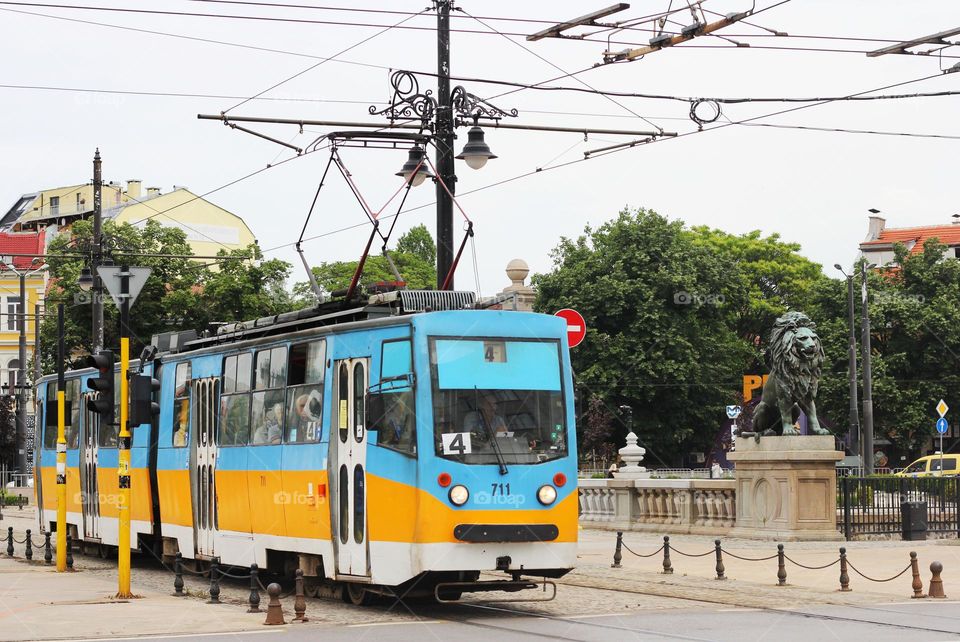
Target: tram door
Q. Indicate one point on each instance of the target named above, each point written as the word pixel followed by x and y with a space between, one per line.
pixel 351 461
pixel 88 469
pixel 204 465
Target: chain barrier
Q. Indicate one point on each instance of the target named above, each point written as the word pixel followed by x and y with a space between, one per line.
pixel 749 559
pixel 866 577
pixel 782 558
pixel 812 568
pixel 656 552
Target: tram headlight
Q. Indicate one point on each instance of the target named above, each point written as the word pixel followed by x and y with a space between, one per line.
pixel 547 494
pixel 459 495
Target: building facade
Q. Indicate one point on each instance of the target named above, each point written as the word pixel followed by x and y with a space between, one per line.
pixel 28 245
pixel 877 248
pixel 209 228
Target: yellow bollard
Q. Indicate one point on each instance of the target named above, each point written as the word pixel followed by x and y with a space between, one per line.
pixel 123 474
pixel 61 483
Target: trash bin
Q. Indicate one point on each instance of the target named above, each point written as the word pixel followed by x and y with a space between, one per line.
pixel 914 518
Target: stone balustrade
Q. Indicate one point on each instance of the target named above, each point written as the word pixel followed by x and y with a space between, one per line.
pixel 697 506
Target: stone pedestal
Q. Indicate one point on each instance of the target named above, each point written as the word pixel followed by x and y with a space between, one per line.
pixel 786 488
pixel 632 455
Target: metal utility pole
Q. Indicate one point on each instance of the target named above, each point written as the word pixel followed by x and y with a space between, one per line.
pixel 97 288
pixel 22 378
pixel 124 441
pixel 854 410
pixel 867 378
pixel 444 138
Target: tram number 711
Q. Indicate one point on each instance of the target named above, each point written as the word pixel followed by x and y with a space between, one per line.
pixel 498 489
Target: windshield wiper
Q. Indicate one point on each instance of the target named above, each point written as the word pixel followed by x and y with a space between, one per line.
pixel 490 434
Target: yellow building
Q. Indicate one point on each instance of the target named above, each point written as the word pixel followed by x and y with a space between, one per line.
pixel 209 228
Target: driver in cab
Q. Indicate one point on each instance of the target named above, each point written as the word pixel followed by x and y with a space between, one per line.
pixel 485 418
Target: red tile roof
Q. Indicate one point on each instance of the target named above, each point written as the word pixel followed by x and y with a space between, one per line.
pixel 22 243
pixel 949 234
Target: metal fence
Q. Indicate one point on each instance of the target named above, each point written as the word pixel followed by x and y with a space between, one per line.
pixel 871 505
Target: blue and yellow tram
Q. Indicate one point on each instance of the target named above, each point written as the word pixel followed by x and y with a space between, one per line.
pixel 390 450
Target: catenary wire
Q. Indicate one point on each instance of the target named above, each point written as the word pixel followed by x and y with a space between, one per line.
pixel 562 70
pixel 364 25
pixel 539 170
pixel 317 64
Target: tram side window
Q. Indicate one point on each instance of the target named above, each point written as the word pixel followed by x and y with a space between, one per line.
pixel 305 374
pixel 390 409
pixel 108 432
pixel 181 403
pixel 266 425
pixel 235 400
pixel 50 432
pixel 72 394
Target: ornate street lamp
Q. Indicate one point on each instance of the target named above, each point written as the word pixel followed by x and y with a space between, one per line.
pixel 476 152
pixel 415 170
pixel 86 279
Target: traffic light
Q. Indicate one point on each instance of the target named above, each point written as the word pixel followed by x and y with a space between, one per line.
pixel 142 406
pixel 102 404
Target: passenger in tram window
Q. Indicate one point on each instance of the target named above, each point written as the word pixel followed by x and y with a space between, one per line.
pixel 269 432
pixel 305 415
pixel 398 429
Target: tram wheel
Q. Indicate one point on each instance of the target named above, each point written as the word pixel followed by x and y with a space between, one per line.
pixel 357 595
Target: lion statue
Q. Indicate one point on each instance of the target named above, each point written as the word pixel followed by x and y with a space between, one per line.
pixel 795 360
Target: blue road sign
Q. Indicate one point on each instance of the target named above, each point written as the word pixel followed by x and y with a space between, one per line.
pixel 733 411
pixel 941 425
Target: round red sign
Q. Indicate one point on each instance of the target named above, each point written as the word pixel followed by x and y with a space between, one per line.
pixel 576 326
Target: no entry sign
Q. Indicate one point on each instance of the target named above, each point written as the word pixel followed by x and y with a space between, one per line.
pixel 576 326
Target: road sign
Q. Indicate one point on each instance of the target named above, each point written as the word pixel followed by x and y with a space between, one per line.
pixel 942 407
pixel 137 277
pixel 941 425
pixel 733 412
pixel 576 326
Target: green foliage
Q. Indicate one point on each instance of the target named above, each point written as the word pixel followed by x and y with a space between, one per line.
pixel 915 341
pixel 181 293
pixel 655 303
pixel 414 258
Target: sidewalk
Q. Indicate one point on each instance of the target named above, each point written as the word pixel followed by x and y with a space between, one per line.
pixel 877 559
pixel 36 603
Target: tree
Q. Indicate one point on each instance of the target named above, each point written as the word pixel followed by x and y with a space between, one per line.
pixel 659 340
pixel 414 258
pixel 181 293
pixel 418 242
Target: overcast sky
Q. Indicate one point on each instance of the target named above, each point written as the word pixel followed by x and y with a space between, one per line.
pixel 810 187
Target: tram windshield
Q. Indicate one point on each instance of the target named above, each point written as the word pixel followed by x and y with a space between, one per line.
pixel 497 400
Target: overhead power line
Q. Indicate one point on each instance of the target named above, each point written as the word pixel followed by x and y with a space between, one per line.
pixel 177 94
pixel 844 130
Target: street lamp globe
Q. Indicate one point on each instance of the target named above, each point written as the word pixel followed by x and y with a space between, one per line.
pixel 415 170
pixel 86 279
pixel 476 152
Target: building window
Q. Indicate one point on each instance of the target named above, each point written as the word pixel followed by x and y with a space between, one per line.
pixel 13 313
pixel 54 205
pixel 956 252
pixel 12 371
pixel 78 201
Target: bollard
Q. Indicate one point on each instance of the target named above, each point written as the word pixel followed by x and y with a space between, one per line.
pixel 667 566
pixel 47 548
pixel 69 552
pixel 917 584
pixel 299 604
pixel 720 569
pixel 214 581
pixel 274 610
pixel 618 551
pixel 10 541
pixel 254 598
pixel 28 553
pixel 781 566
pixel 844 575
pixel 178 575
pixel 936 582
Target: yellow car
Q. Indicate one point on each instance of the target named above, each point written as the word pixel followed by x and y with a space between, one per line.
pixel 930 466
